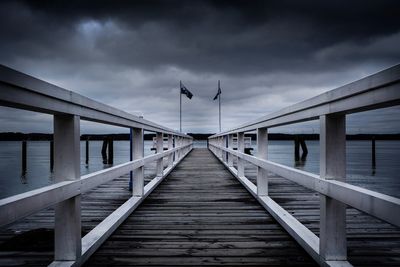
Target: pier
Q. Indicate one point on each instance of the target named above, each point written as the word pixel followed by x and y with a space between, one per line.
pixel 192 206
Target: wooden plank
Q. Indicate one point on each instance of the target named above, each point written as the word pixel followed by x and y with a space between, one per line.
pixel 221 222
pixel 155 231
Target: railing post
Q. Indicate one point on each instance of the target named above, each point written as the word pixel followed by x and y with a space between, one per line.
pixel 179 147
pixel 170 146
pixel 219 149
pixel 224 144
pixel 240 162
pixel 230 146
pixel 67 230
pixel 160 149
pixel 175 144
pixel 137 153
pixel 262 174
pixel 333 167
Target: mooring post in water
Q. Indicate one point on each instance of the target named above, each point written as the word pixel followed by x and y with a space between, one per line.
pixel 51 155
pixel 87 151
pixel 110 150
pixel 104 151
pixel 304 149
pixel 24 154
pixel 373 153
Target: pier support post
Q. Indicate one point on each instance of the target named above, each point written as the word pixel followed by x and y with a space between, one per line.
pixel 87 151
pixel 23 158
pixel 160 148
pixel 51 155
pixel 137 153
pixel 104 151
pixel 373 154
pixel 170 146
pixel 240 162
pixel 110 150
pixel 333 244
pixel 230 146
pixel 66 168
pixel 262 174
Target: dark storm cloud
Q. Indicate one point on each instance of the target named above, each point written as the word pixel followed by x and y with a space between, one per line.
pixel 209 36
pixel 131 54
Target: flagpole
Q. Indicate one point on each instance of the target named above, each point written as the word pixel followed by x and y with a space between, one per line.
pixel 219 98
pixel 180 106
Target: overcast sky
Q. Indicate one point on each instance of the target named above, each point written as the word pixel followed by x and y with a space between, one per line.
pixel 267 54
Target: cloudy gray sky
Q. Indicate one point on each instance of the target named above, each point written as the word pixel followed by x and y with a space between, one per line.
pixel 267 54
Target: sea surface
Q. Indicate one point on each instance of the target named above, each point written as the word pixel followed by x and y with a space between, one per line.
pixel 385 178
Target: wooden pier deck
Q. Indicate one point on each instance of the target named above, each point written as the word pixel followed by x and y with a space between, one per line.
pixel 200 215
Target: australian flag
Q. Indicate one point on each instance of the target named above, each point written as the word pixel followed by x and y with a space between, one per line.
pixel 186 92
pixel 218 93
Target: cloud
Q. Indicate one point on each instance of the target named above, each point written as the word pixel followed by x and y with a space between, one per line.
pixel 132 55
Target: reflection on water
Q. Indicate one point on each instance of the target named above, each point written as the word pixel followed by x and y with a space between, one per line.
pixel 385 178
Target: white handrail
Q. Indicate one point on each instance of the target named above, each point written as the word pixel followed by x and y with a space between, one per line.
pixel 376 91
pixel 22 91
pixel 19 90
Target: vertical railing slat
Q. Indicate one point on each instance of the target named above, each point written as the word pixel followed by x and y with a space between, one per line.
pixel 137 153
pixel 262 153
pixel 67 167
pixel 240 162
pixel 333 166
pixel 160 148
pixel 170 146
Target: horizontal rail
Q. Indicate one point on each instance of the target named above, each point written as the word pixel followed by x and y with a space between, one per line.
pixel 19 206
pixel 376 91
pixel 93 240
pixel 19 90
pixel 376 204
pixel 305 237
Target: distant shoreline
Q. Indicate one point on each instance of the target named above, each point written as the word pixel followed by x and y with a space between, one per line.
pixel 12 136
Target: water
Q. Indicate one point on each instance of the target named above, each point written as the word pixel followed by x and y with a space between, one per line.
pixel 385 178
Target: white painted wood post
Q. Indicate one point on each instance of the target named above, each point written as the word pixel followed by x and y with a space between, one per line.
pixel 230 146
pixel 160 148
pixel 137 153
pixel 67 167
pixel 175 146
pixel 219 149
pixel 333 167
pixel 262 174
pixel 240 162
pixel 170 146
pixel 224 144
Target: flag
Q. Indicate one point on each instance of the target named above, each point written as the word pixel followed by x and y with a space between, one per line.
pixel 186 92
pixel 218 93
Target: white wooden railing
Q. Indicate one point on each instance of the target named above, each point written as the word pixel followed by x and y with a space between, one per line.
pixel 21 91
pixel 330 249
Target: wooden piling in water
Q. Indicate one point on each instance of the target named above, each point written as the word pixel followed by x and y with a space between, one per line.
pixel 24 157
pixel 300 142
pixel 87 152
pixel 110 150
pixel 104 151
pixel 51 155
pixel 373 153
pixel 303 148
